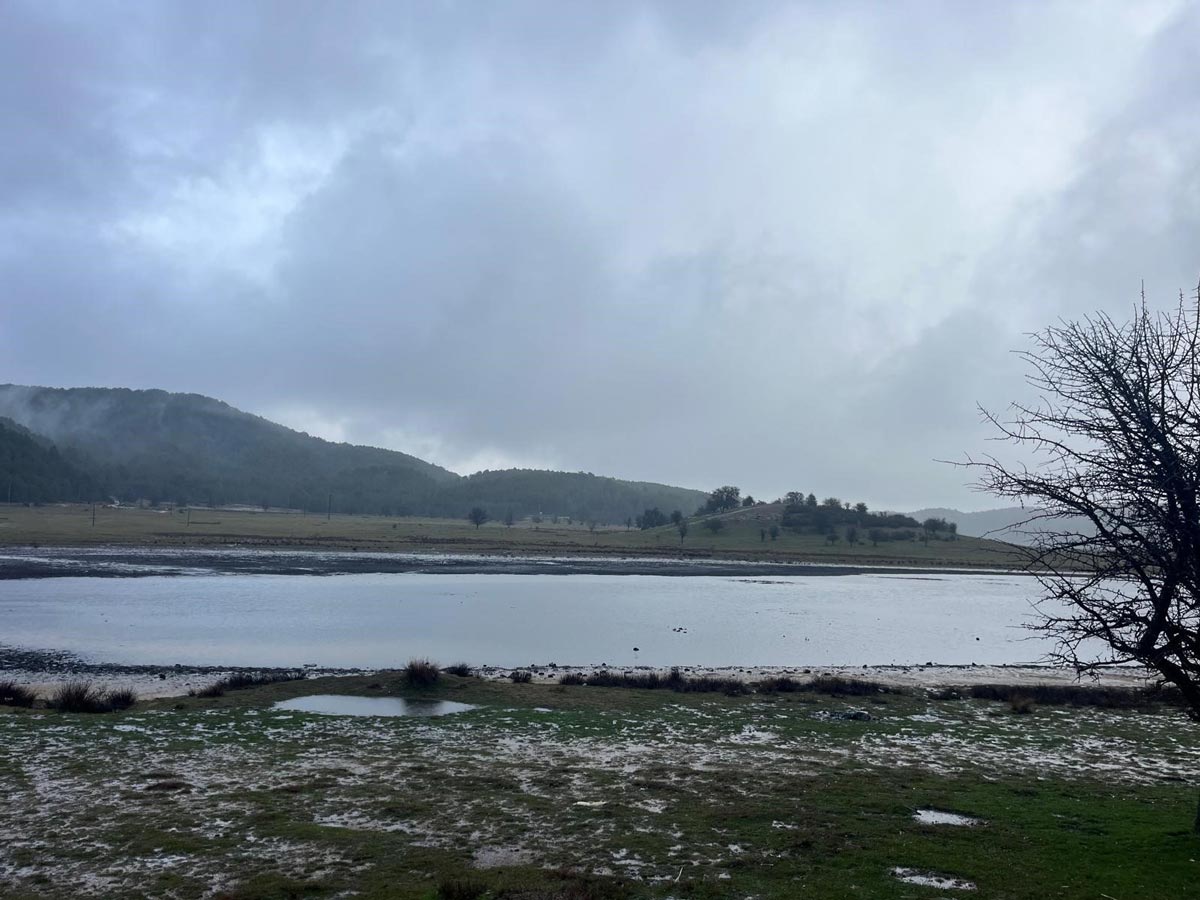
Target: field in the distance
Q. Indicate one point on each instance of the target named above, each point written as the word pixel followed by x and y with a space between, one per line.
pixel 740 538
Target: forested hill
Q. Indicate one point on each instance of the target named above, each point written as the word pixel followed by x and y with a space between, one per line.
pixel 32 469
pixel 96 443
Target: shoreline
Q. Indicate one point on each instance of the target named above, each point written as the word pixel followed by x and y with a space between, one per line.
pixel 124 561
pixel 44 670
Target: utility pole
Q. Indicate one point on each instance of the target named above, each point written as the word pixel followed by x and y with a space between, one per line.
pixel 189 515
pixel 93 513
pixel 329 508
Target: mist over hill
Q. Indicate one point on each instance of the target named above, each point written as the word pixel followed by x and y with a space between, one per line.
pixel 95 443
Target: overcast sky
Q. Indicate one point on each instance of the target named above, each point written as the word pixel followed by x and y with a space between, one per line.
pixel 783 245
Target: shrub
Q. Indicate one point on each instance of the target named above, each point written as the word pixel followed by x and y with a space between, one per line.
pixel 421 673
pixel 13 694
pixel 121 698
pixel 460 669
pixel 84 697
pixel 520 676
pixel 572 678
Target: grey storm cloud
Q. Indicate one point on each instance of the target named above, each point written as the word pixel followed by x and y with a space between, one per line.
pixel 784 245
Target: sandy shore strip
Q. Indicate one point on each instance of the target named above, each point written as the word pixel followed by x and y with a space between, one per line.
pixel 45 670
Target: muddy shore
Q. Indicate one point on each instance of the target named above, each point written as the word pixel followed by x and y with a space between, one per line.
pixel 45 669
pixel 135 562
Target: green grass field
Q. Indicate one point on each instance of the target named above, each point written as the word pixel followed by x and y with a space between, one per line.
pixel 545 791
pixel 741 537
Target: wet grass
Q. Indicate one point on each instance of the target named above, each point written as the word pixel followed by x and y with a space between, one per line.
pixel 764 795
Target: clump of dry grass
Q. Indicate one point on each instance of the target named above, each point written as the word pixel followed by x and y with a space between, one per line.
pixel 85 697
pixel 422 673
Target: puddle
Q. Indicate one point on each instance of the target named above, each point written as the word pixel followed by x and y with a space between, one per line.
pixel 343 705
pixel 929 879
pixel 940 817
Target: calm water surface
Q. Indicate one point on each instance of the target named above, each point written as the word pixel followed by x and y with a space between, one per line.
pixel 513 620
pixel 345 705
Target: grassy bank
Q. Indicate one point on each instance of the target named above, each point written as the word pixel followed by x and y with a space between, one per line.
pixel 553 791
pixel 740 538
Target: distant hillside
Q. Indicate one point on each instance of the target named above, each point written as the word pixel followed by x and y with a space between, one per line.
pixel 999 524
pixel 32 470
pixel 187 448
pixel 530 492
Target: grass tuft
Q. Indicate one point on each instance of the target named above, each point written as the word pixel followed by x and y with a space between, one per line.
pixel 572 678
pixel 13 694
pixel 422 673
pixel 520 676
pixel 84 697
pixel 462 670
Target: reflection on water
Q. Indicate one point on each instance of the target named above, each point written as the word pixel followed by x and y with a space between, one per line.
pixel 344 705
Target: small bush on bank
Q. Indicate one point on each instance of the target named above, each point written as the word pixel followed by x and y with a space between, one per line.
pixel 84 697
pixel 572 678
pixel 520 676
pixel 13 694
pixel 422 673
pixel 460 669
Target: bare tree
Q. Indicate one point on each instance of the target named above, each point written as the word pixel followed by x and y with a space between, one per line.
pixel 1115 439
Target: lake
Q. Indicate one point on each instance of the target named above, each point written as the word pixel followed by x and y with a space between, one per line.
pixel 381 620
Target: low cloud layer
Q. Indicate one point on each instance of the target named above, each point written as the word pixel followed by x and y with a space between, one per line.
pixel 788 246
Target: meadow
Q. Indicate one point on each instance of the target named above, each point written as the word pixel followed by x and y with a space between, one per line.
pixel 568 791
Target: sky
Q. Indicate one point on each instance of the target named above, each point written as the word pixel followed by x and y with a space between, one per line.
pixel 788 246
